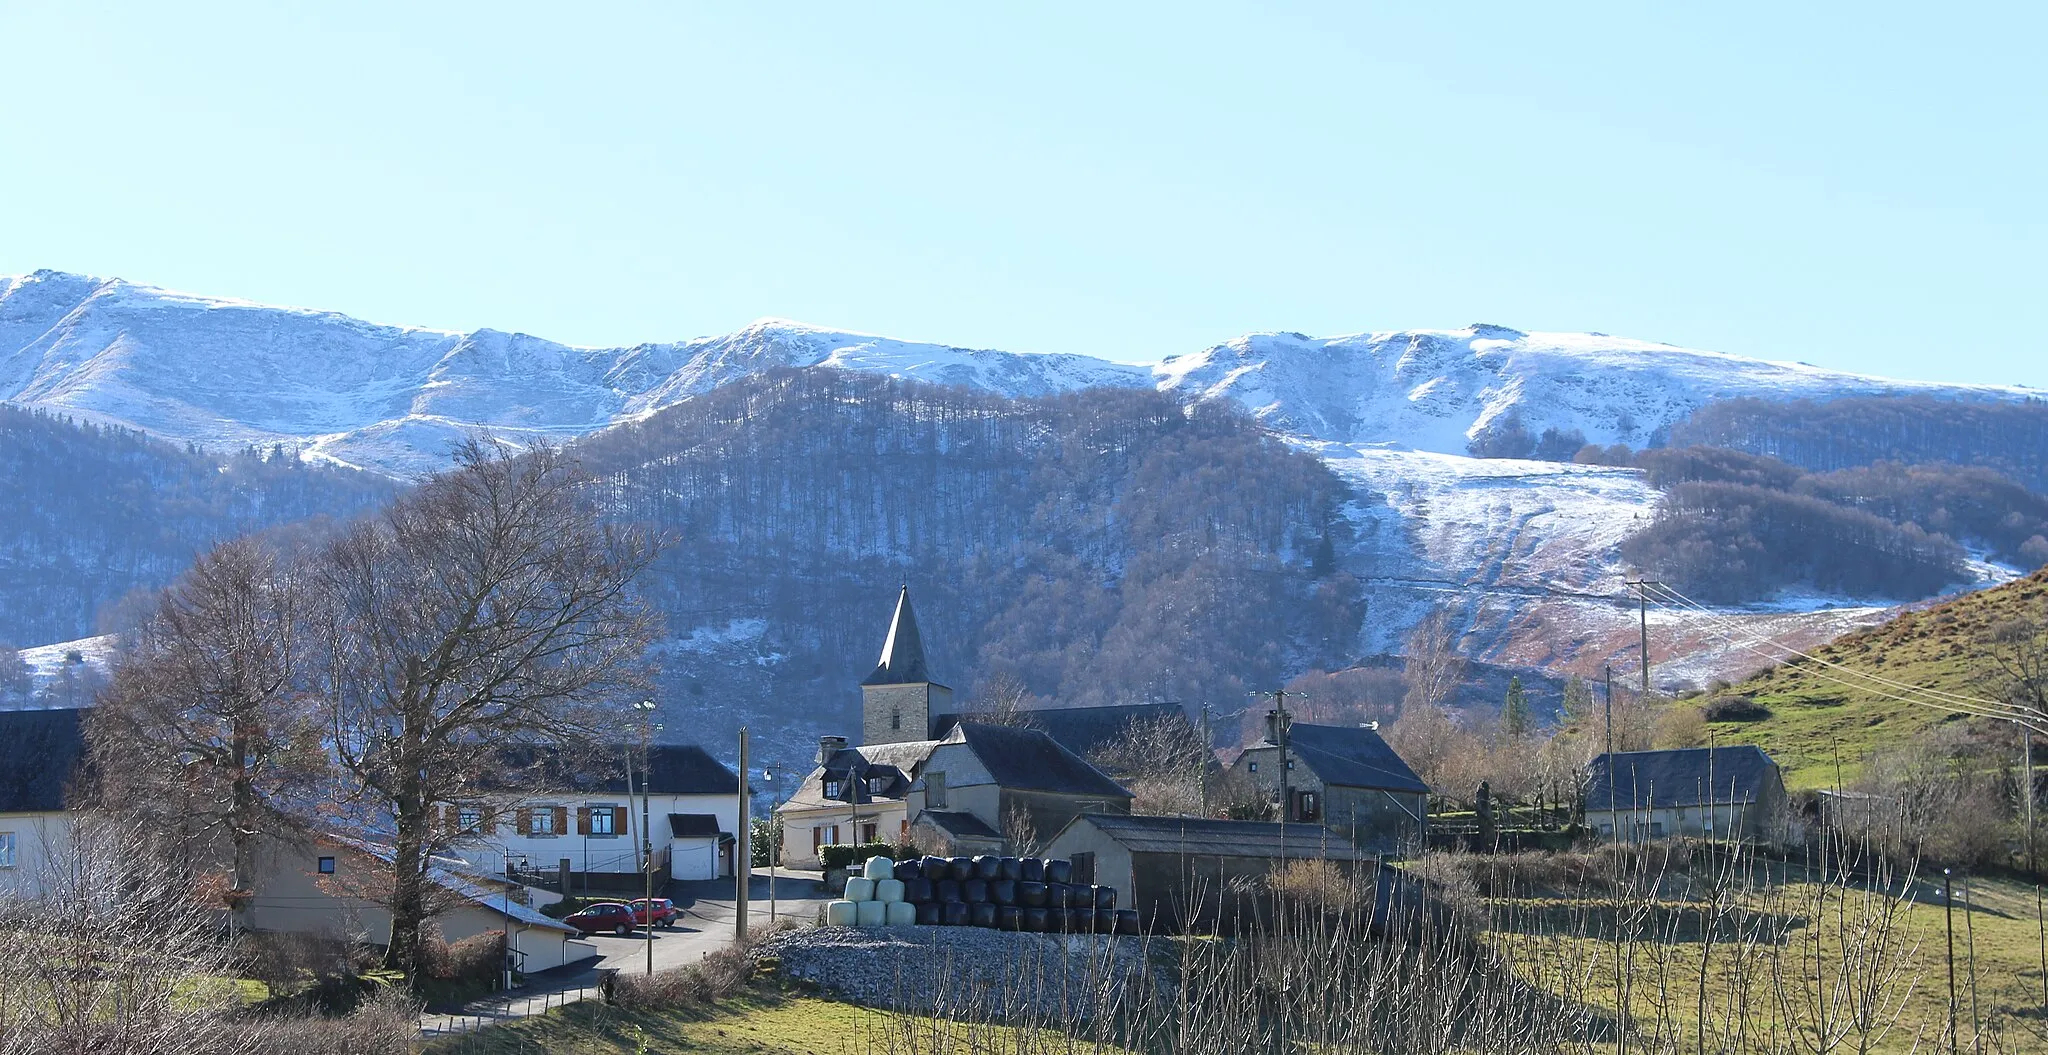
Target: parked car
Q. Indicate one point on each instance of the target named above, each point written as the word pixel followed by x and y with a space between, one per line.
pixel 662 910
pixel 604 916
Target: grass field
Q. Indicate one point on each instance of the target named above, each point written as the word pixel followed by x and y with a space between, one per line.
pixel 1819 727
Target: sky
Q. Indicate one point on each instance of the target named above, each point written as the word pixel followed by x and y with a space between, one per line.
pixel 1854 186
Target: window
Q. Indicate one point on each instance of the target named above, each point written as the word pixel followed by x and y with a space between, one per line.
pixel 868 832
pixel 6 849
pixel 604 820
pixel 896 719
pixel 469 820
pixel 877 785
pixel 935 791
pixel 1305 806
pixel 1254 767
pixel 1084 868
pixel 831 789
pixel 542 821
pixel 326 866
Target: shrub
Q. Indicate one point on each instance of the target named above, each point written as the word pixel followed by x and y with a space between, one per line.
pixel 477 957
pixel 1736 709
pixel 571 905
pixel 842 856
pixel 388 1023
pixel 1318 884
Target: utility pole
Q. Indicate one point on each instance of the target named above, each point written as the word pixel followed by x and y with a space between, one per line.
pixel 1643 611
pixel 646 709
pixel 1278 722
pixel 774 841
pixel 1607 675
pixel 1202 763
pixel 743 854
pixel 1948 914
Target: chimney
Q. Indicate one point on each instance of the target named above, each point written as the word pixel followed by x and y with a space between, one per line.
pixel 829 746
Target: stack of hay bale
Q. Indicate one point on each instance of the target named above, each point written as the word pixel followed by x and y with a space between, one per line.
pixel 1010 893
pixel 874 898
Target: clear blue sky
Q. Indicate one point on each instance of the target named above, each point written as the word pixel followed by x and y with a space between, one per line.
pixel 1859 187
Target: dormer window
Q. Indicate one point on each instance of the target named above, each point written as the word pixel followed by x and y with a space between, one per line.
pixel 832 789
pixel 877 785
pixel 896 718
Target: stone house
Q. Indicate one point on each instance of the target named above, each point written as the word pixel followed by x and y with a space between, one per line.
pixel 1343 778
pixel 1731 792
pixel 1015 783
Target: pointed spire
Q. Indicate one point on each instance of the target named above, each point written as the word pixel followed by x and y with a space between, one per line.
pixel 902 661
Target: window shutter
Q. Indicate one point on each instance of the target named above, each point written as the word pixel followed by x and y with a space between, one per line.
pixel 524 820
pixel 621 817
pixel 583 820
pixel 561 818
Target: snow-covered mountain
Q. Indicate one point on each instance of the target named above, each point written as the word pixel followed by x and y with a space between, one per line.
pixel 221 372
pixel 1518 544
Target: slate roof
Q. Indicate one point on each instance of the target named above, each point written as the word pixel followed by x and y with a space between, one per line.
pixel 1082 730
pixel 40 751
pixel 1029 760
pixel 675 769
pixel 489 895
pixel 852 766
pixel 693 826
pixel 1203 837
pixel 959 825
pixel 1643 780
pixel 902 661
pixel 1349 756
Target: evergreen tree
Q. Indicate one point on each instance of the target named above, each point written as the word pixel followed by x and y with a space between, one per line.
pixel 1514 714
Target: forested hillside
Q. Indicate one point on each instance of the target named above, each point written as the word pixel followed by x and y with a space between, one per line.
pixel 2010 438
pixel 1735 527
pixel 89 513
pixel 1102 546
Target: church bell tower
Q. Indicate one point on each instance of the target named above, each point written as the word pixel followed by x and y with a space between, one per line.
pixel 900 697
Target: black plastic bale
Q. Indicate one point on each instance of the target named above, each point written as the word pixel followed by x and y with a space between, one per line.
pixel 1060 871
pixel 1030 894
pixel 1031 870
pixel 1105 897
pixel 928 913
pixel 1080 920
pixel 983 915
pixel 1010 868
pixel 953 914
pixel 932 868
pixel 1105 921
pixel 974 891
pixel 947 890
pixel 917 890
pixel 1003 892
pixel 1127 921
pixel 909 870
pixel 987 867
pixel 1035 919
pixel 1009 917
pixel 959 867
pixel 1059 895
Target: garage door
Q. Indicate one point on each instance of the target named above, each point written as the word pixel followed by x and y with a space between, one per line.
pixel 693 859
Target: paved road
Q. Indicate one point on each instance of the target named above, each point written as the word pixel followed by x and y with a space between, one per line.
pixel 709 909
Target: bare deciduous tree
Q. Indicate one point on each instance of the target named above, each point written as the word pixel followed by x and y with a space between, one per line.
pixel 1162 761
pixel 1433 665
pixel 204 730
pixel 14 675
pixel 485 609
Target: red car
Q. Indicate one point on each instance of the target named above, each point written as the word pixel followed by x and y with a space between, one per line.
pixel 604 916
pixel 661 909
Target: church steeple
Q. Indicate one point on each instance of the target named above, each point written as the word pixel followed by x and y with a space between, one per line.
pixel 902 661
pixel 898 698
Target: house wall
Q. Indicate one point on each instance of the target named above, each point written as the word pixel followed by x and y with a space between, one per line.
pixel 1173 891
pixel 798 824
pixel 42 842
pixel 587 853
pixel 1048 813
pixel 1762 820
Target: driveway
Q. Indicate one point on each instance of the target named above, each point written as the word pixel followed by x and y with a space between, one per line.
pixel 708 911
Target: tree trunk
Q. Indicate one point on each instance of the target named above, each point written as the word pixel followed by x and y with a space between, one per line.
pixel 408 891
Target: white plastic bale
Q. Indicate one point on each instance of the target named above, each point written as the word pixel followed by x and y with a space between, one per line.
pixel 870 914
pixel 900 913
pixel 841 913
pixel 860 889
pixel 888 891
pixel 880 868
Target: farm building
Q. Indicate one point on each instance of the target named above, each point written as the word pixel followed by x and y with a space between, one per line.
pixel 1710 792
pixel 1343 778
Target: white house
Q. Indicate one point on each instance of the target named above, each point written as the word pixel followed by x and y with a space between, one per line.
pixel 40 752
pixel 331 887
pixel 583 814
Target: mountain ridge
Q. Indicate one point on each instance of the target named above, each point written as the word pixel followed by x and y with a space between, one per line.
pixel 224 373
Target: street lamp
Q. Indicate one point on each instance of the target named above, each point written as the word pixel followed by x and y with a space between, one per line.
pixel 774 838
pixel 646 709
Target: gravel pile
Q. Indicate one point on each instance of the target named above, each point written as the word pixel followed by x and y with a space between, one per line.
pixel 964 971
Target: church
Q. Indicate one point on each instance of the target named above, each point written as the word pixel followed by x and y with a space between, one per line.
pixel 922 768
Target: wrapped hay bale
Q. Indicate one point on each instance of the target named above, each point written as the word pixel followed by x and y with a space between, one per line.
pixel 982 915
pixel 901 913
pixel 879 868
pixel 889 891
pixel 928 913
pixel 870 914
pixel 840 913
pixel 860 888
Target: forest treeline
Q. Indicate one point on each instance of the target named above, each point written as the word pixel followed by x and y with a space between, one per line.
pixel 1103 546
pixel 1736 527
pixel 2008 438
pixel 89 513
